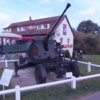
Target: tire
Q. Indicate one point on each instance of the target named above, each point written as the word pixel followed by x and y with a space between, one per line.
pixel 40 74
pixel 75 69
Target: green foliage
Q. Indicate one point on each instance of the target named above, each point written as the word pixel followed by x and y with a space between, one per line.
pixel 78 40
pixel 98 44
pixel 74 53
pixel 88 43
pixel 92 43
pixel 88 27
pixel 67 54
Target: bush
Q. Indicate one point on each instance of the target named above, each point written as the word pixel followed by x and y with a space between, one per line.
pixel 67 54
pixel 88 43
pixel 74 54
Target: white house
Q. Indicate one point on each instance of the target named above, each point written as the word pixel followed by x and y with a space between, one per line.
pixel 28 29
pixel 64 35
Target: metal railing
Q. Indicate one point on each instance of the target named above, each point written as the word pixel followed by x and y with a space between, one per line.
pixel 89 65
pixel 7 61
pixel 17 90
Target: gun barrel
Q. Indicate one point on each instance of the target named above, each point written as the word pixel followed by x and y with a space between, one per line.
pixel 50 33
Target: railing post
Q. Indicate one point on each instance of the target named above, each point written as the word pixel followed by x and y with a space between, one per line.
pixel 17 93
pixel 3 94
pixel 89 66
pixel 73 83
pixel 6 63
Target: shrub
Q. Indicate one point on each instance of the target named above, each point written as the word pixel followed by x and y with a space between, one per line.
pixel 74 54
pixel 67 54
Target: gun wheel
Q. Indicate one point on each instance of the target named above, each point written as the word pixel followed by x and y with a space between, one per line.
pixel 75 69
pixel 40 74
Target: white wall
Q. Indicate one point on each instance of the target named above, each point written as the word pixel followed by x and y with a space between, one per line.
pixel 67 39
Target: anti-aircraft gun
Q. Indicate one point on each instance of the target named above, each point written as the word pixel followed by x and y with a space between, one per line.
pixel 46 55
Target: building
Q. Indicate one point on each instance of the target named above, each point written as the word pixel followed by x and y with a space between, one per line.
pixel 28 29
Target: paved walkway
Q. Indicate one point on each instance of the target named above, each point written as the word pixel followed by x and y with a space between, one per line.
pixel 95 96
pixel 27 78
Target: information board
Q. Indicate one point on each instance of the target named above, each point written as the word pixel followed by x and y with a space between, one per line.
pixel 6 77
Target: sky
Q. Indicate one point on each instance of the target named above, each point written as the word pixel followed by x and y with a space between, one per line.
pixel 12 11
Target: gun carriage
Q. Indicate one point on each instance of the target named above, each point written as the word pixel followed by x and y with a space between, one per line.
pixel 46 55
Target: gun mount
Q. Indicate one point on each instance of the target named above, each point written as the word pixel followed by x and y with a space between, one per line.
pixel 46 55
pixel 45 42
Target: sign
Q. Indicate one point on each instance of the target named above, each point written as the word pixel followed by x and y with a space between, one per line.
pixel 28 37
pixel 68 46
pixel 69 75
pixel 6 77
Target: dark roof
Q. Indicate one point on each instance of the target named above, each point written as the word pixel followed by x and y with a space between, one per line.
pixel 34 32
pixel 49 20
pixel 34 22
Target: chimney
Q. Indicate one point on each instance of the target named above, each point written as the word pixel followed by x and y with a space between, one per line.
pixel 30 18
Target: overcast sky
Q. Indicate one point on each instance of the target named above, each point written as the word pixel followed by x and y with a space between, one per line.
pixel 12 11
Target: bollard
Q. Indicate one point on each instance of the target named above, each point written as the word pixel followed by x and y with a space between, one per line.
pixel 73 83
pixel 89 67
pixel 6 63
pixel 17 93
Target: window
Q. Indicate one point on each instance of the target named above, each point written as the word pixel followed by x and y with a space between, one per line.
pixel 20 29
pixel 32 27
pixel 61 40
pixel 39 27
pixel 64 29
pixel 8 30
pixel 46 26
pixel 68 40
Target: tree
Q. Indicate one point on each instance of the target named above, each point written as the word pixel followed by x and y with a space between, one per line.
pixel 88 27
pixel 98 44
pixel 78 39
pixel 90 44
pixel 99 29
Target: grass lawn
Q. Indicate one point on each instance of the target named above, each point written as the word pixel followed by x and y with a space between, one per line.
pixel 64 92
pixel 93 59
